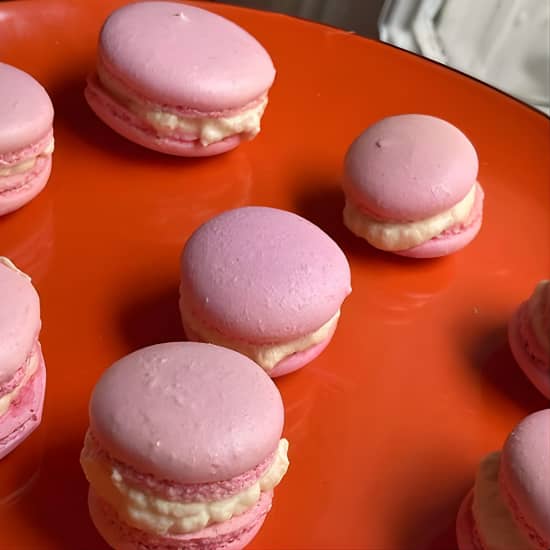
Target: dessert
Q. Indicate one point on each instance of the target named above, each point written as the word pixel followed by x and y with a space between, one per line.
pixel 509 506
pixel 529 337
pixel 22 370
pixel 264 282
pixel 184 448
pixel 179 79
pixel 411 187
pixel 26 138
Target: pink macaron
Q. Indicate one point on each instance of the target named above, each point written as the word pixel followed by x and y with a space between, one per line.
pixel 411 187
pixel 184 449
pixel 26 138
pixel 264 282
pixel 509 506
pixel 22 370
pixel 179 79
pixel 529 337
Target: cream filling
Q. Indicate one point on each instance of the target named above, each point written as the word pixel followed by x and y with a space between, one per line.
pixel 7 400
pixel 539 314
pixel 156 515
pixel 393 236
pixel 27 164
pixel 267 355
pixel 495 523
pixel 207 130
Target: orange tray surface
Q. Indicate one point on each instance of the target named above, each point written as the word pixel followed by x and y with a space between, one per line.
pixel 386 428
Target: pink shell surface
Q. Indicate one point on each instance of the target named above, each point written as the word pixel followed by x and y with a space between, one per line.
pixel 525 349
pixel 525 472
pixel 187 412
pixel 233 534
pixel 409 167
pixel 19 321
pixel 181 55
pixel 465 525
pixel 263 275
pixel 26 110
pixel 25 412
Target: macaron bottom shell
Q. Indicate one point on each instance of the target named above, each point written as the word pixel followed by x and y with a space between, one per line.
pixel 465 526
pixel 25 186
pixel 233 534
pixel 538 377
pixel 290 363
pixel 25 412
pixel 128 125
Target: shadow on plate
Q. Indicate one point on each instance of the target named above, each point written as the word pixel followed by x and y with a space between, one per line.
pixel 153 319
pixel 57 504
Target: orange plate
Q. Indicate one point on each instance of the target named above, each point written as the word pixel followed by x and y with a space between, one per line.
pixel 387 426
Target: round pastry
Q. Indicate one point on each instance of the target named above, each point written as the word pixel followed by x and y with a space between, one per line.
pixel 184 448
pixel 509 506
pixel 264 282
pixel 26 138
pixel 411 187
pixel 22 370
pixel 179 79
pixel 529 337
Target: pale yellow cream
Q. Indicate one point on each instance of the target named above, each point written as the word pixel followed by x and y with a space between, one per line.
pixel 7 399
pixel 27 164
pixel 157 515
pixel 207 130
pixel 539 311
pixel 267 355
pixel 393 236
pixel 494 520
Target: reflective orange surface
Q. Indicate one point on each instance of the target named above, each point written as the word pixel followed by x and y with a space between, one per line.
pixel 387 426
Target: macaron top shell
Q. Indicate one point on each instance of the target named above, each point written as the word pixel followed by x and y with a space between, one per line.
pixel 184 56
pixel 525 464
pixel 26 110
pixel 263 275
pixel 410 167
pixel 19 320
pixel 187 412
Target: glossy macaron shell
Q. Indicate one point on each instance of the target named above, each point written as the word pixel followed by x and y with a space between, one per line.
pixel 525 471
pixel 263 275
pixel 184 56
pixel 19 320
pixel 187 412
pixel 409 167
pixel 26 111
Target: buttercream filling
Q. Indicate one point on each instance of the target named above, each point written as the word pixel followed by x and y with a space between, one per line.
pixel 266 355
pixel 206 129
pixel 393 236
pixel 27 164
pixel 153 514
pixel 495 523
pixel 539 314
pixel 8 398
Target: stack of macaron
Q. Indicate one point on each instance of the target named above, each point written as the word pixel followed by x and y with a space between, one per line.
pixel 509 506
pixel 179 79
pixel 26 138
pixel 22 370
pixel 529 336
pixel 184 448
pixel 264 282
